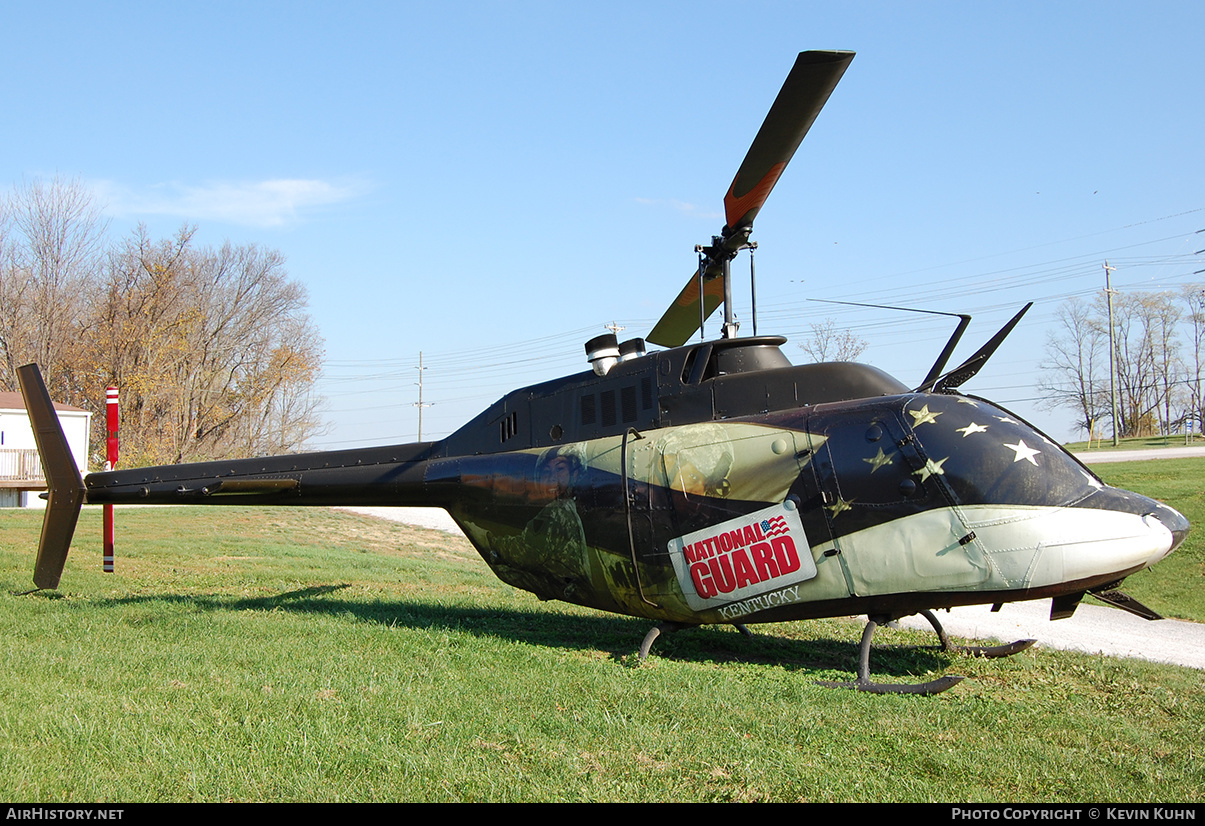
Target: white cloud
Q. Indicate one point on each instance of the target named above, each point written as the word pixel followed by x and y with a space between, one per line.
pixel 681 206
pixel 273 203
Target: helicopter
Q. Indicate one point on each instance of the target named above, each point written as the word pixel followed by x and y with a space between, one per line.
pixel 714 481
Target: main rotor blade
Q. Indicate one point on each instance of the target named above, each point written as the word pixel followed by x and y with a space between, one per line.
pixel 682 318
pixel 803 95
pixel 807 88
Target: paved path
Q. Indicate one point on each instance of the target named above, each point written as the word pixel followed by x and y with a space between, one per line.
pixel 1095 629
pixel 435 518
pixel 1100 457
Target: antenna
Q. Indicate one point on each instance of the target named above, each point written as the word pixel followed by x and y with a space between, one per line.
pixel 935 371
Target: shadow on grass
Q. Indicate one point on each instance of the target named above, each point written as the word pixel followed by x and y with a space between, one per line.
pixel 619 636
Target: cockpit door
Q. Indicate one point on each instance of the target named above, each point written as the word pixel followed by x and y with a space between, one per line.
pixel 893 525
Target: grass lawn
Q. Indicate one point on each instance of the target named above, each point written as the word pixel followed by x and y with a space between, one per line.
pixel 296 655
pixel 1176 586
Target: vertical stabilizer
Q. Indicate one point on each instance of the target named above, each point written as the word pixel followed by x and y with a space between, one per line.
pixel 62 478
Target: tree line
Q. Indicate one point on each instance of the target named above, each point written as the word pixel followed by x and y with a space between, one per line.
pixel 212 349
pixel 1158 347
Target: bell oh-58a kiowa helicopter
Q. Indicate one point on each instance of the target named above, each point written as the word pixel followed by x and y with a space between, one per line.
pixel 715 482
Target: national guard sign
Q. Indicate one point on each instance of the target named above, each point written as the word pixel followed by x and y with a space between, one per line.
pixel 753 554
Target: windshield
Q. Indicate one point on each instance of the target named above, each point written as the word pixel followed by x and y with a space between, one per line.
pixel 986 455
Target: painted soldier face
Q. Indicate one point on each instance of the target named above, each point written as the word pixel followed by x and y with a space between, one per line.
pixel 557 477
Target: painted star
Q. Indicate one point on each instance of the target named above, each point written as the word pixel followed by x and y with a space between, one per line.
pixel 971 402
pixel 923 416
pixel 878 461
pixel 840 507
pixel 1023 451
pixel 931 468
pixel 1092 480
pixel 1006 419
pixel 971 428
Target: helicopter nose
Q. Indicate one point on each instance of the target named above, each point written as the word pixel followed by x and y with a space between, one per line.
pixel 1174 521
pixel 1162 520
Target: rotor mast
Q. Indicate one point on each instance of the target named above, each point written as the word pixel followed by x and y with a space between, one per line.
pixel 717 263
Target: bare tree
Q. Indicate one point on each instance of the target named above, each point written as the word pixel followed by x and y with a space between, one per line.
pixel 1193 296
pixel 1153 395
pixel 212 349
pixel 1075 372
pixel 1164 315
pixel 1147 355
pixel 53 236
pixel 830 344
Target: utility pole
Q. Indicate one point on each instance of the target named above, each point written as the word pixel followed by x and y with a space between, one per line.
pixel 419 404
pixel 1112 350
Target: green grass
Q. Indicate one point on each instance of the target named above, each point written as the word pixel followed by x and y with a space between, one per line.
pixel 313 655
pixel 1176 586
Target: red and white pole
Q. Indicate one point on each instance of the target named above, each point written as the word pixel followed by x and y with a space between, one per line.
pixel 111 424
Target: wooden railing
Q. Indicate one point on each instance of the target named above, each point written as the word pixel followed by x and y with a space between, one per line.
pixel 20 465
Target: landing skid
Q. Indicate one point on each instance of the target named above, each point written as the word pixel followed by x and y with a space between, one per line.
pixel 864 683
pixel 988 652
pixel 670 627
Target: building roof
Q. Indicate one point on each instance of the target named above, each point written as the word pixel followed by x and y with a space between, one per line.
pixel 13 401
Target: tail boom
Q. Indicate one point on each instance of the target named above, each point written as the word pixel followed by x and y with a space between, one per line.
pixel 395 475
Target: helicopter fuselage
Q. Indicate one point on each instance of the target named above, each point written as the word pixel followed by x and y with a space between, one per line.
pixel 717 482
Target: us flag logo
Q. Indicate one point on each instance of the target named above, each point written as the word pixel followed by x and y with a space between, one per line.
pixel 775 526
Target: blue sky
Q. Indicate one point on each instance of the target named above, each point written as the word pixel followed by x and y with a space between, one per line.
pixel 490 183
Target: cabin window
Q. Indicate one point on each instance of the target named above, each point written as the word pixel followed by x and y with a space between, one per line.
pixel 689 365
pixel 695 371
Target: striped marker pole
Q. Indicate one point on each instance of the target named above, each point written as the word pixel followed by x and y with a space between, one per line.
pixel 111 420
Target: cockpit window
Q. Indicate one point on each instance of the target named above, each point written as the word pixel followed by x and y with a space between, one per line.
pixel 986 455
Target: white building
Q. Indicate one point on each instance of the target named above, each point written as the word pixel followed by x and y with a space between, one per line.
pixel 21 476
